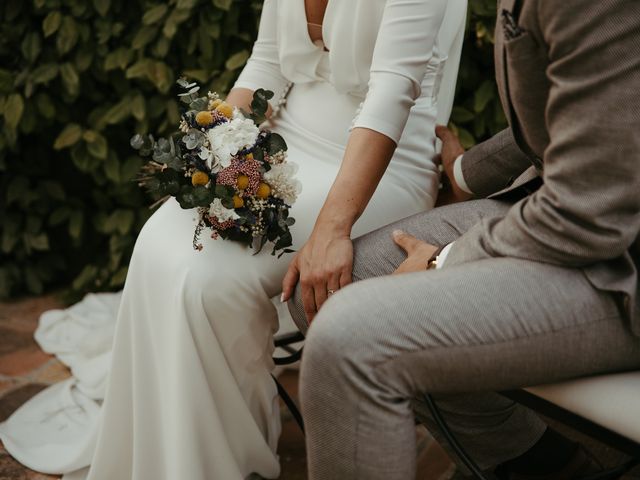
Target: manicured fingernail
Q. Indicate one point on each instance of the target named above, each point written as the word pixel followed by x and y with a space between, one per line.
pixel 397 233
pixel 282 298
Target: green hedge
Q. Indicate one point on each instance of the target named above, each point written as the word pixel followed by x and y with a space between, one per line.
pixel 78 77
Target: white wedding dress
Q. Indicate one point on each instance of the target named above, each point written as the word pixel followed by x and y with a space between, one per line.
pixel 189 393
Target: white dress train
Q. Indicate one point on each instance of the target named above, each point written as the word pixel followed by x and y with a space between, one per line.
pixel 189 393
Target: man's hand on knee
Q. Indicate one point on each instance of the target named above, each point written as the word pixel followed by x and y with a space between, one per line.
pixel 418 252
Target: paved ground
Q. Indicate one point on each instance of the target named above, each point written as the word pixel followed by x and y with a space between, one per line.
pixel 25 370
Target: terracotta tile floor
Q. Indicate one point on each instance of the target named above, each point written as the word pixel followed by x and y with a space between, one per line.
pixel 25 370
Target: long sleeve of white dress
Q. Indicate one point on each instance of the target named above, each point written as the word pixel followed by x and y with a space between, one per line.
pixel 263 67
pixel 404 46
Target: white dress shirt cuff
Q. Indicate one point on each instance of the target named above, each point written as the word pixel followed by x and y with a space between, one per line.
pixel 443 255
pixel 459 177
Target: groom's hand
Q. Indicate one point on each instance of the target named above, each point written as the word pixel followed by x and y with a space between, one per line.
pixel 451 150
pixel 418 252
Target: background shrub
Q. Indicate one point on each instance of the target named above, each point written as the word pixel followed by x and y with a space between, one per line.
pixel 78 77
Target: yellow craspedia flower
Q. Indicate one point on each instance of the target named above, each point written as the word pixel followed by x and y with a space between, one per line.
pixel 199 178
pixel 242 182
pixel 204 118
pixel 264 190
pixel 215 104
pixel 238 202
pixel 225 109
pixel 249 156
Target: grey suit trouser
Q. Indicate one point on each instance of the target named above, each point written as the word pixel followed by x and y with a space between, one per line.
pixel 459 333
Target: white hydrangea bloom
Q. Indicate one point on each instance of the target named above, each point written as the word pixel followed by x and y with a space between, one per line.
pixel 283 183
pixel 226 139
pixel 221 212
pixel 210 159
pixel 237 114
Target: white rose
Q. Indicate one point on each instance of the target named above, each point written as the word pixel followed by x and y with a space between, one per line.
pixel 221 212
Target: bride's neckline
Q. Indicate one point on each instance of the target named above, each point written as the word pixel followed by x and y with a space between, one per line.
pixel 318 42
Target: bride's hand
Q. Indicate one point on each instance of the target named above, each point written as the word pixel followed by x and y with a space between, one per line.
pixel 324 263
pixel 322 266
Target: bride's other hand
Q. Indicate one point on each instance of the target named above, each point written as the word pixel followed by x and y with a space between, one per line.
pixel 451 150
pixel 323 266
pixel 241 98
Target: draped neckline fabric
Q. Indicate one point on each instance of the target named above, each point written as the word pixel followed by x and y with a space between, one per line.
pixel 303 61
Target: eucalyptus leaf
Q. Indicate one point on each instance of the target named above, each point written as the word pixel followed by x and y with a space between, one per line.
pixel 137 141
pixel 224 192
pixel 193 139
pixel 199 104
pixel 275 143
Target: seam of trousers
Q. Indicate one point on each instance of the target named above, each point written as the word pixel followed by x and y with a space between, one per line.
pixel 385 363
pixel 355 450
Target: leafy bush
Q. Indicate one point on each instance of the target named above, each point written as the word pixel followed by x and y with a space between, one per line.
pixel 477 114
pixel 77 77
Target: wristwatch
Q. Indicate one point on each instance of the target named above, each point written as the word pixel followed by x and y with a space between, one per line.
pixel 432 263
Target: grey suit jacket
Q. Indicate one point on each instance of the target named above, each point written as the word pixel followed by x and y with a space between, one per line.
pixel 570 86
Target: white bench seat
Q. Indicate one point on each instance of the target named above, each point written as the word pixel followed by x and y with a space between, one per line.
pixel 612 401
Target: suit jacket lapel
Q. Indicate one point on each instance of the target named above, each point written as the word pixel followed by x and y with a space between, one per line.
pixel 502 79
pixel 501 68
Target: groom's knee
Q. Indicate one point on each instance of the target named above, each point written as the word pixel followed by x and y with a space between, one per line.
pixel 296 309
pixel 336 336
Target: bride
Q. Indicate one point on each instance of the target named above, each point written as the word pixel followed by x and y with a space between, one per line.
pixel 190 393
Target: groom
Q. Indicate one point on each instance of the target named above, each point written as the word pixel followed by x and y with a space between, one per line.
pixel 538 283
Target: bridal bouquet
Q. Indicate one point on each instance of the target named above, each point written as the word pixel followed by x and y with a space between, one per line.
pixel 234 173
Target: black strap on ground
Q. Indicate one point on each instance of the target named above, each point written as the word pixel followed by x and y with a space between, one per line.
pixel 291 405
pixel 453 441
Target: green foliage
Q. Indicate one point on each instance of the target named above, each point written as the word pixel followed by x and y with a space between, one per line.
pixel 477 114
pixel 79 77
